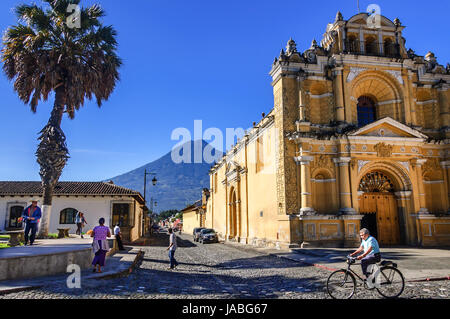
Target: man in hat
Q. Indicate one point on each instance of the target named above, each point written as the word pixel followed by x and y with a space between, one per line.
pixel 31 216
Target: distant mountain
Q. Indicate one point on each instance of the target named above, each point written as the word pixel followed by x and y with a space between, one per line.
pixel 178 184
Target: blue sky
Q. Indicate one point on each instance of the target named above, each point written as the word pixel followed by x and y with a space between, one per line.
pixel 186 61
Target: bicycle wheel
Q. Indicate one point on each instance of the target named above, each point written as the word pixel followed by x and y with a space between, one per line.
pixel 341 284
pixel 391 282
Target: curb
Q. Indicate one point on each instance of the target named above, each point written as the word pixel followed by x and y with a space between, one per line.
pixel 305 262
pixel 125 272
pixel 19 289
pixel 430 279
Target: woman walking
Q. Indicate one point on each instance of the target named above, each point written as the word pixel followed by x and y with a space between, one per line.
pixel 100 245
pixel 80 221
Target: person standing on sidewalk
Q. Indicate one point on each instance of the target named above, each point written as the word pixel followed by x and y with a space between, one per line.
pixel 172 247
pixel 100 244
pixel 31 216
pixel 80 221
pixel 118 235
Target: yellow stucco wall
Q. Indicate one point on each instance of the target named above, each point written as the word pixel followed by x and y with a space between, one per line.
pixel 191 220
pixel 434 231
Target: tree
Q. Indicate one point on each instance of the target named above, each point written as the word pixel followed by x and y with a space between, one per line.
pixel 166 214
pixel 52 50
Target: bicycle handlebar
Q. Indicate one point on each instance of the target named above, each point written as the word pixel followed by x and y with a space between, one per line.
pixel 351 258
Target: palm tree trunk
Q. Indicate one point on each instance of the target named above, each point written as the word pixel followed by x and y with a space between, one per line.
pixel 52 155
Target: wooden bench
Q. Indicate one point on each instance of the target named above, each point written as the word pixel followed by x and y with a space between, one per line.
pixel 63 232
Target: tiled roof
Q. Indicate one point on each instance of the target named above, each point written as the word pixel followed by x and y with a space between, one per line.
pixel 65 188
pixel 194 206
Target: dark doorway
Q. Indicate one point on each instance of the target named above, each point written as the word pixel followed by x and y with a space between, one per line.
pixel 369 221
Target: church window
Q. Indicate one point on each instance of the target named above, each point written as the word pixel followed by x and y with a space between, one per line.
pixel 353 44
pixel 371 46
pixel 366 111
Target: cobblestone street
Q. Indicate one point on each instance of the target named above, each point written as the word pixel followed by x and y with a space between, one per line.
pixel 217 271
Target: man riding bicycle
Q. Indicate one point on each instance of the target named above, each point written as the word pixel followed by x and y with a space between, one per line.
pixel 370 248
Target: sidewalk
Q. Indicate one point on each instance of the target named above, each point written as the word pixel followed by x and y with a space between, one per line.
pixel 119 264
pixel 416 264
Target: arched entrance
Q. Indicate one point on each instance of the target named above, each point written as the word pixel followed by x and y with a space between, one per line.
pixel 379 207
pixel 233 214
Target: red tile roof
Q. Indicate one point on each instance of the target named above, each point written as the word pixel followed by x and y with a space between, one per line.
pixel 65 188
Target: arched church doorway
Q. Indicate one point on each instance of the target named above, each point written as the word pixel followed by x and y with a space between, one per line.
pixel 233 214
pixel 378 206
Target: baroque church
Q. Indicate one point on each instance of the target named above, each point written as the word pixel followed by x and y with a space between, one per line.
pixel 358 137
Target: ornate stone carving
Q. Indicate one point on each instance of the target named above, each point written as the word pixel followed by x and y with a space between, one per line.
pixel 432 167
pixel 405 165
pixel 353 163
pixel 397 75
pixel 322 161
pixel 361 164
pixel 354 72
pixel 339 17
pixel 291 47
pixel 383 150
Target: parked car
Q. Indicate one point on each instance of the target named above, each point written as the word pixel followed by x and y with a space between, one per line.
pixel 196 232
pixel 208 235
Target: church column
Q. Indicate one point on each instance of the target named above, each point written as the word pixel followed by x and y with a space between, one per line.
pixel 406 222
pixel 423 209
pixel 301 101
pixel 305 178
pixel 446 168
pixel 444 106
pixel 339 94
pixel 381 43
pixel 361 40
pixel 344 186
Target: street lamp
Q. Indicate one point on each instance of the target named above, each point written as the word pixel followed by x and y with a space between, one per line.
pixel 154 180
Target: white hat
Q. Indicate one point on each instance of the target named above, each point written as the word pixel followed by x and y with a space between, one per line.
pixel 35 200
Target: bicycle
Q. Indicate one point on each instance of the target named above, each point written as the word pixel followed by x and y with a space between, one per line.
pixel 389 281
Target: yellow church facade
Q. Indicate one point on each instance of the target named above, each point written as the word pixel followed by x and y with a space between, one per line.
pixel 358 137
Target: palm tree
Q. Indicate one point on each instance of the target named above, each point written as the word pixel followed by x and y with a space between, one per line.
pixel 45 53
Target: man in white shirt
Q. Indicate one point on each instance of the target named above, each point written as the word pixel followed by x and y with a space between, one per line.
pixel 118 235
pixel 172 247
